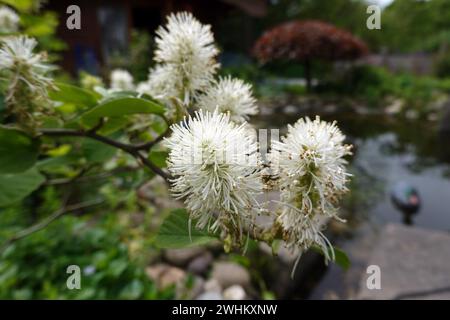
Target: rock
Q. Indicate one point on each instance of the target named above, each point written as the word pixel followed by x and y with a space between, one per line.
pixel 210 296
pixel 198 288
pixel 445 122
pixel 290 109
pixel 154 271
pixel 411 114
pixel 213 285
pixel 229 273
pixel 235 292
pixel 171 276
pixel 265 110
pixel 413 263
pixel 200 264
pixel 285 255
pixel 192 291
pixel 165 275
pixel 394 107
pixel 330 108
pixel 433 116
pixel 344 284
pixel 181 257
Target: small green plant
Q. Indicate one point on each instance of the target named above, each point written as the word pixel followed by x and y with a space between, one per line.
pixel 35 268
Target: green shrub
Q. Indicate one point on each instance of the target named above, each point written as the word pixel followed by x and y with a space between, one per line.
pixel 248 72
pixel 442 66
pixel 35 267
pixel 374 84
pixel 294 89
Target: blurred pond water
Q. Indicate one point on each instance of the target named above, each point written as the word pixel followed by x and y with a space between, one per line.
pixel 387 151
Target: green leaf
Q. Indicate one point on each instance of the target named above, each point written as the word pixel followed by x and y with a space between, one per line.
pixel 18 151
pixel 2 103
pixel 95 151
pixel 159 126
pixel 275 246
pixel 132 290
pixel 21 5
pixel 121 94
pixel 112 125
pixel 158 157
pixel 71 94
pixel 174 232
pixel 39 25
pixel 341 258
pixel 60 151
pixel 120 107
pixel 55 163
pixel 15 187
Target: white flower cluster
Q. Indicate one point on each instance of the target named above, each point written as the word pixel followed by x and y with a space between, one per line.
pixel 185 56
pixel 160 84
pixel 90 82
pixel 121 80
pixel 311 168
pixel 215 164
pixel 214 156
pixel 186 51
pixel 27 80
pixel 9 20
pixel 23 66
pixel 231 96
pixel 185 70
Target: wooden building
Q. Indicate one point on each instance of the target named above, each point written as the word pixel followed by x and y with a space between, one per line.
pixel 106 25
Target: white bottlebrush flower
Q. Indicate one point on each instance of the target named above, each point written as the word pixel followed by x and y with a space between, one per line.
pixel 188 48
pixel 9 20
pixel 23 65
pixel 27 79
pixel 89 81
pixel 231 96
pixel 121 80
pixel 143 87
pixel 216 168
pixel 161 83
pixel 311 168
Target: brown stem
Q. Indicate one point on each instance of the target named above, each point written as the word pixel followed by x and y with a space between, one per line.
pixel 129 148
pixel 88 178
pixel 151 165
pixel 45 222
pixel 88 134
pixel 307 70
pixel 148 145
pixel 267 235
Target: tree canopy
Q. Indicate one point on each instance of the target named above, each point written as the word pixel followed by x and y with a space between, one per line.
pixel 306 40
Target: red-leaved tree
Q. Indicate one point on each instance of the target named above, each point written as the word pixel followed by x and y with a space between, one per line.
pixel 308 40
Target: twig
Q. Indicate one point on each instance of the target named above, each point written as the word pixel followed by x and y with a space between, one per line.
pixel 84 179
pixel 152 166
pixel 129 148
pixel 87 134
pixel 45 222
pixel 97 127
pixel 148 145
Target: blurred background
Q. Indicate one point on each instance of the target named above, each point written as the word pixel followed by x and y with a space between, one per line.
pixel 388 88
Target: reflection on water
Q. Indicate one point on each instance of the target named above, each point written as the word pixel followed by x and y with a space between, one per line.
pixel 389 167
pixel 388 151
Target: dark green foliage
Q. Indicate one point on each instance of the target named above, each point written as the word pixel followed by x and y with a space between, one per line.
pixel 35 267
pixel 374 84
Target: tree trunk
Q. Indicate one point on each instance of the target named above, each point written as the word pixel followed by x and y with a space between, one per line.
pixel 307 71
